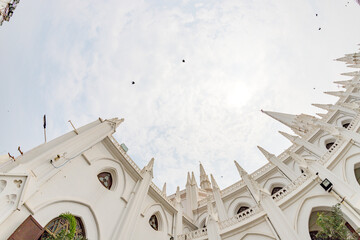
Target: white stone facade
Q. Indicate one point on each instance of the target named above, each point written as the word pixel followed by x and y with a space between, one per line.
pixel 62 176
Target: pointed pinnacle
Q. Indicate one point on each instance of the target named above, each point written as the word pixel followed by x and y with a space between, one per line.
pixel 354 66
pixel 214 183
pixel 241 171
pixel 266 153
pixel 322 106
pixel 202 170
pixel 287 119
pixel 343 82
pixel 336 93
pixel 188 181
pixel 323 115
pixel 352 74
pixel 164 189
pixel 177 194
pixel 193 179
pixel 343 59
pixel 288 136
pixel 151 164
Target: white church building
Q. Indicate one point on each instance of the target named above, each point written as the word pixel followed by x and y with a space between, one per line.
pixel 88 173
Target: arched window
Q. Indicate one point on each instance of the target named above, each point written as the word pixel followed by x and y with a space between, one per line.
pixel 275 190
pixel 241 209
pixel 329 145
pixel 106 179
pixel 55 226
pixel 153 221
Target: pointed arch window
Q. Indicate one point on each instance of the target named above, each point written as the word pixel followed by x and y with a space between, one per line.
pixel 153 221
pixel 241 209
pixel 59 224
pixel 275 190
pixel 329 145
pixel 106 179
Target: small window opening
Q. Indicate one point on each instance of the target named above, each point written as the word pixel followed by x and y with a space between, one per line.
pixel 241 209
pixel 345 125
pixel 154 223
pixel 329 145
pixel 105 179
pixel 275 190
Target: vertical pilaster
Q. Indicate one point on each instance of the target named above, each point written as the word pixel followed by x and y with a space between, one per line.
pixel 218 200
pixel 179 214
pixel 128 224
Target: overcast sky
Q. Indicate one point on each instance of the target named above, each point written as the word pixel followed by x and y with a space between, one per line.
pixel 76 60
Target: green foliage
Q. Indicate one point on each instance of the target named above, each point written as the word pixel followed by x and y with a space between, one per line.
pixel 66 234
pixel 333 225
pixel 72 224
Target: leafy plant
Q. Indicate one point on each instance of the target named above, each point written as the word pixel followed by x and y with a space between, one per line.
pixel 66 234
pixel 333 225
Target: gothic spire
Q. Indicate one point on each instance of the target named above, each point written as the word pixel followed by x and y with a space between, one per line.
pixel 300 124
pixel 287 119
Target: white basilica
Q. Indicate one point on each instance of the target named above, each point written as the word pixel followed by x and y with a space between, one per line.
pixel 88 173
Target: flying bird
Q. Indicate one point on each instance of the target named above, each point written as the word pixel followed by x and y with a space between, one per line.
pixel 132 82
pixel 319 28
pixel 316 15
pixel 183 60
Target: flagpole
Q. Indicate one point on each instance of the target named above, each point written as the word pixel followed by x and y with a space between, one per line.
pixel 44 125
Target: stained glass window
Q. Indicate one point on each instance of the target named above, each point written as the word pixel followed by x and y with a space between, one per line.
pixel 105 179
pixel 59 224
pixel 154 222
pixel 242 208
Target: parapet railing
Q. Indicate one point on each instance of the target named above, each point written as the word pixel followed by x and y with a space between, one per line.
pixel 240 217
pixel 194 234
pixel 291 187
pixel 338 143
